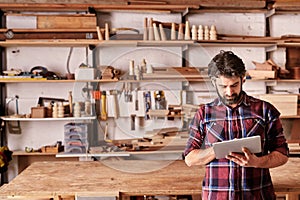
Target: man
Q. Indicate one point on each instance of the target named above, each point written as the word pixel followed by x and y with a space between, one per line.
pixel 234 114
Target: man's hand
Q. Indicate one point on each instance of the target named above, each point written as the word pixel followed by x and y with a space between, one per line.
pixel 245 159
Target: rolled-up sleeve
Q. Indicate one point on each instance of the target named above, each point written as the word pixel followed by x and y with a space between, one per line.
pixel 196 136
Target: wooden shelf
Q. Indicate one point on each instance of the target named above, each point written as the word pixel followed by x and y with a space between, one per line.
pixel 50 42
pixel 6 118
pixel 106 154
pixel 52 81
pixel 23 153
pixel 179 78
pixel 140 43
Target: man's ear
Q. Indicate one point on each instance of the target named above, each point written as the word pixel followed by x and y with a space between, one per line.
pixel 244 79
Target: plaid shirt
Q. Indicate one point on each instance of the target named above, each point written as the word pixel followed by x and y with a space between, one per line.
pixel 216 122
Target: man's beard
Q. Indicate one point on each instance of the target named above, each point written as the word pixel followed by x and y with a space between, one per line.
pixel 233 99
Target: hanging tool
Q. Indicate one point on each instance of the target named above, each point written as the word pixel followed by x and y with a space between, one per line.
pixel 106 139
pixel 103 115
pixel 128 94
pixel 132 122
pixel 96 98
pixel 136 100
pixel 114 103
pixel 15 129
pixel 147 98
pixel 71 103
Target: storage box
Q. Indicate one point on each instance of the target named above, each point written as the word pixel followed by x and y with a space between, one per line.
pixel 75 128
pixel 38 112
pixel 75 137
pixel 85 73
pixel 286 103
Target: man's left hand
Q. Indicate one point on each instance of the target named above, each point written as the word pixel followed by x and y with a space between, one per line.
pixel 245 159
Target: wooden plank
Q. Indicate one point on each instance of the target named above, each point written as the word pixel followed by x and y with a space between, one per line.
pixel 261 74
pixel 122 2
pixel 45 35
pixel 66 22
pixel 85 7
pixel 285 103
pixel 286 5
pixel 233 4
pixel 50 42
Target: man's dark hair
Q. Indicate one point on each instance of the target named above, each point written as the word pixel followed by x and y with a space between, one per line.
pixel 227 64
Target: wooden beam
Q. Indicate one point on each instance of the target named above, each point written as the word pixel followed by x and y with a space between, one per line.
pixel 85 7
pixel 289 5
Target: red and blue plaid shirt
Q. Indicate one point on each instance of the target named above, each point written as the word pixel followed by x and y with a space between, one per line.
pixel 215 122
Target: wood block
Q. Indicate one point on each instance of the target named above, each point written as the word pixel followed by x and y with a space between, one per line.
pixel 263 66
pixel 286 103
pixel 158 113
pixel 66 21
pixel 38 112
pixel 262 74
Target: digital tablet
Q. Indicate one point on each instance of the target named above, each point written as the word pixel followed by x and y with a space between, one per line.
pixel 222 149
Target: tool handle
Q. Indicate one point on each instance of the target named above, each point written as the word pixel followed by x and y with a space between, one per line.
pixel 103 115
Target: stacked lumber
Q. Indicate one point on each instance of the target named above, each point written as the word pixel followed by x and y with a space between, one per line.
pixel 158 139
pixel 287 104
pixel 162 139
pixel 265 70
pixel 189 73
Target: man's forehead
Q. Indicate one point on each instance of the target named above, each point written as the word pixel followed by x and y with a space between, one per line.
pixel 223 79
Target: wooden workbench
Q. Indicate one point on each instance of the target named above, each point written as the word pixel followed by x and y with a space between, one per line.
pixel 124 178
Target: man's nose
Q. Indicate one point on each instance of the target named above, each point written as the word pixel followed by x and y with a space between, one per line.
pixel 229 91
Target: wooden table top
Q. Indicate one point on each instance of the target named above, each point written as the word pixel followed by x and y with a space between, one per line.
pixel 129 177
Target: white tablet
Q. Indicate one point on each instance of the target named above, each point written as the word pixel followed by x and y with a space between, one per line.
pixel 222 149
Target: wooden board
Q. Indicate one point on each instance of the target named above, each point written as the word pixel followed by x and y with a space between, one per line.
pixel 286 5
pixel 261 74
pixel 52 21
pixel 127 177
pixel 285 103
pixel 176 72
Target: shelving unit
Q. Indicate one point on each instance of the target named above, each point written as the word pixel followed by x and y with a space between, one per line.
pixel 270 44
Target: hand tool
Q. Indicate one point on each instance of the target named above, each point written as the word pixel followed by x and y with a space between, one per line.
pixel 103 115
